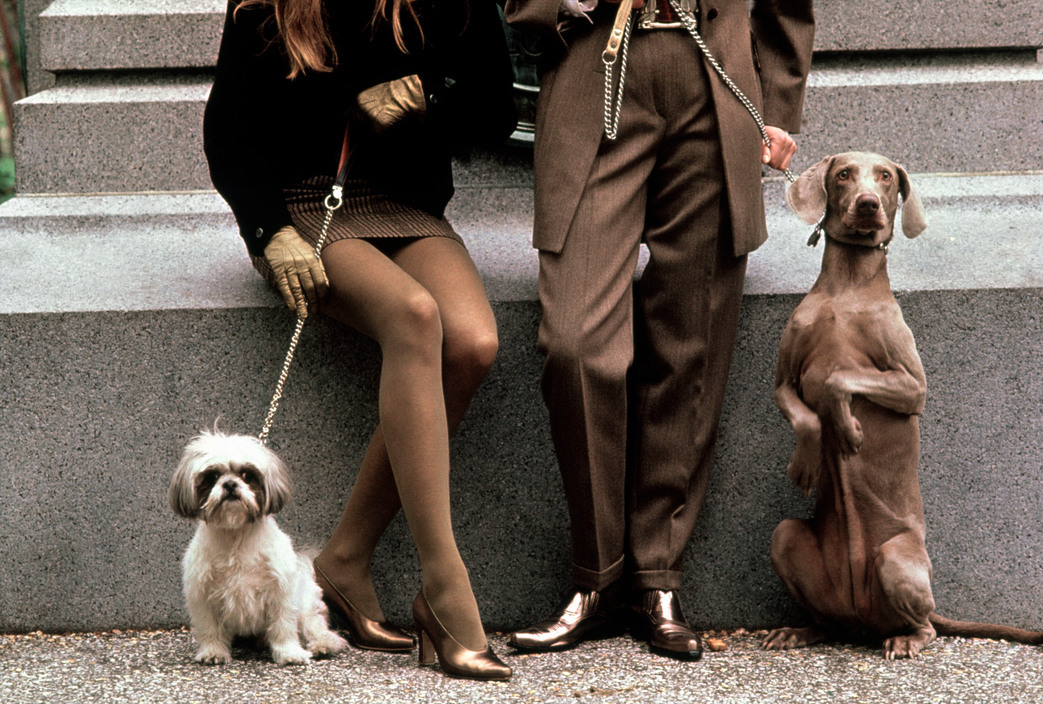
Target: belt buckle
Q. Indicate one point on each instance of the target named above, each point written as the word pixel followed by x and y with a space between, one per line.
pixel 649 13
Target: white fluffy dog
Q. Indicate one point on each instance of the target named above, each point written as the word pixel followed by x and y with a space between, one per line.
pixel 241 574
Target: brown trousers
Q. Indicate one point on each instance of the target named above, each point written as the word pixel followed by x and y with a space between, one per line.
pixel 635 461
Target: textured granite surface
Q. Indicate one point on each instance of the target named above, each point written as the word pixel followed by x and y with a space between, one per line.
pixel 110 126
pixel 99 405
pixel 129 323
pixel 130 34
pixel 873 25
pixel 983 233
pixel 145 133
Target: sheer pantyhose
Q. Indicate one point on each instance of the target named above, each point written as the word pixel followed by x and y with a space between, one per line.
pixel 425 304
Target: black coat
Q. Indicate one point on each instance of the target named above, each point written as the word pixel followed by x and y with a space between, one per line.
pixel 263 132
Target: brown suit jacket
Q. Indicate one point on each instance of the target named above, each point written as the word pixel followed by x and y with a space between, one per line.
pixel 767 52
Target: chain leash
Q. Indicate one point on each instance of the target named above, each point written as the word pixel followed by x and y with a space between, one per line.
pixel 612 110
pixel 332 202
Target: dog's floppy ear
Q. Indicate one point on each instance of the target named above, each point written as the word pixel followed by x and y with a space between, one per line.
pixel 807 195
pixel 183 499
pixel 914 220
pixel 276 484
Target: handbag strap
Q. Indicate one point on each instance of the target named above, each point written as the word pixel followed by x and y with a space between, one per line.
pixel 332 202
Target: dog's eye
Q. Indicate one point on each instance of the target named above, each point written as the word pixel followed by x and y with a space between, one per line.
pixel 250 475
pixel 885 176
pixel 206 481
pixel 843 175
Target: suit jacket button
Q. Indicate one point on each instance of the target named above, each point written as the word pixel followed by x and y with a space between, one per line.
pixel 712 14
pixel 259 233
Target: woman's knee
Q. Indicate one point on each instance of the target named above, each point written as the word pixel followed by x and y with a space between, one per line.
pixel 469 353
pixel 412 324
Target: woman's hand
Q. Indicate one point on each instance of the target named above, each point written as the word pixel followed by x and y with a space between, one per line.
pixel 782 148
pixel 387 104
pixel 299 274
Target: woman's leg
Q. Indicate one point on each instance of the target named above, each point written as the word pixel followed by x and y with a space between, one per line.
pixel 427 286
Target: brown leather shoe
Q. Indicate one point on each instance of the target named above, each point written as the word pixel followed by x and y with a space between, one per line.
pixel 584 615
pixel 657 618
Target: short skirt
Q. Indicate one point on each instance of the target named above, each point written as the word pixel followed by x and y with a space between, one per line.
pixel 365 213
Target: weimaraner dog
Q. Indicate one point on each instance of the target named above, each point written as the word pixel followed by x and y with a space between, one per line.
pixel 849 380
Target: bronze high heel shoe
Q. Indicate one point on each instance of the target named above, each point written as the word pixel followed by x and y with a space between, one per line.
pixel 455 659
pixel 363 632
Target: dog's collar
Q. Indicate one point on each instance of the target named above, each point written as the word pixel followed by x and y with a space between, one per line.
pixel 819 230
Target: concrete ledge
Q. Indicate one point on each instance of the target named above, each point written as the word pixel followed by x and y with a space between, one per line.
pixel 140 134
pixel 925 24
pixel 983 233
pixel 963 113
pixel 977 113
pixel 99 405
pixel 78 35
pixel 122 335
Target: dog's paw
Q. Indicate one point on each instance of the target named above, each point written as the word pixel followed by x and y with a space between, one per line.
pixel 805 466
pixel 327 643
pixel 908 645
pixel 849 433
pixel 213 654
pixel 789 638
pixel 290 654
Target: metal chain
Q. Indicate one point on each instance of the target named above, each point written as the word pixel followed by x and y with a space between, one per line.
pixel 612 112
pixel 332 202
pixel 693 28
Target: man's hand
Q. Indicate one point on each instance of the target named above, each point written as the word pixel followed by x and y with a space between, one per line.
pixel 781 151
pixel 299 274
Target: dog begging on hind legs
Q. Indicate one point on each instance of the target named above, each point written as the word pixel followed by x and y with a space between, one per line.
pixel 850 381
pixel 242 576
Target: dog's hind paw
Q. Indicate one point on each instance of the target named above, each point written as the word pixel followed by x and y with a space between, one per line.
pixel 789 638
pixel 909 645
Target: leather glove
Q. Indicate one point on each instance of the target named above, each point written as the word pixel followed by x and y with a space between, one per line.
pixel 299 273
pixel 387 104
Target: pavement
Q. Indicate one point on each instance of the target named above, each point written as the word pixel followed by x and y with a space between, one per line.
pixel 157 666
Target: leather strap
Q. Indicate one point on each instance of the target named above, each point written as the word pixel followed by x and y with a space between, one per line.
pixel 615 39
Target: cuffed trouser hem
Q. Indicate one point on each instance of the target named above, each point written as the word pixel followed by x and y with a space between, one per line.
pixel 665 580
pixel 597 581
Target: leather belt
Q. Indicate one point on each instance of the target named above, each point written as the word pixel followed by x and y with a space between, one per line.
pixel 660 14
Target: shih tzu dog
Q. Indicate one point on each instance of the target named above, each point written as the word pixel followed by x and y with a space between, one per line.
pixel 242 576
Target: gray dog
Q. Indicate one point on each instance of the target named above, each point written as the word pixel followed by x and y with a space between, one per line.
pixel 850 382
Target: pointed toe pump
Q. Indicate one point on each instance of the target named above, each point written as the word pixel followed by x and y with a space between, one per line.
pixel 363 632
pixel 454 658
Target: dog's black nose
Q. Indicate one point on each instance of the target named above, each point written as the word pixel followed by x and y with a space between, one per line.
pixel 230 487
pixel 867 204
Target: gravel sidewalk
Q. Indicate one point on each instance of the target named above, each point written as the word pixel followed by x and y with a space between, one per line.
pixel 156 666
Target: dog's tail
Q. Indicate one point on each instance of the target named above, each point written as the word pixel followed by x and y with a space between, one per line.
pixel 970 629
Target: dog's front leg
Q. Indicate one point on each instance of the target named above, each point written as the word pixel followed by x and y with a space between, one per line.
pixel 848 429
pixel 283 638
pixel 896 389
pixel 215 641
pixel 806 464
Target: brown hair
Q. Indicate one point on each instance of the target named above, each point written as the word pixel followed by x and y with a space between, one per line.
pixel 302 26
